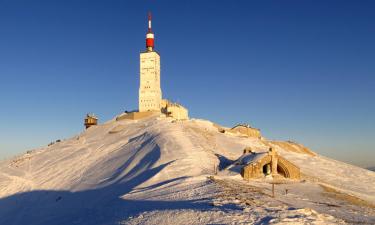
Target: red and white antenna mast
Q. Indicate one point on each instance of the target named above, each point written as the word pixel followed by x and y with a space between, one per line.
pixel 149 35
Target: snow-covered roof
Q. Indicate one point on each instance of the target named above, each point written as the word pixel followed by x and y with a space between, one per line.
pixel 244 125
pixel 91 115
pixel 251 158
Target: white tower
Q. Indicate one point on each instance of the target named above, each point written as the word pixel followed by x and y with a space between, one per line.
pixel 149 88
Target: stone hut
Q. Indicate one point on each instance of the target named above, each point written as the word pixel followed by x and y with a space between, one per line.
pixel 90 120
pixel 258 165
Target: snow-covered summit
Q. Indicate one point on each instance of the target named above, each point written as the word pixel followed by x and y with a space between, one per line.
pixel 111 172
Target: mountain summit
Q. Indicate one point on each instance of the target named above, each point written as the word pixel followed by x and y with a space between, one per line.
pixel 158 170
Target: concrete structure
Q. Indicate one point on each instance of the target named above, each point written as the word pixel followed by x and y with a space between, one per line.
pixel 243 130
pixel 174 110
pixel 150 95
pixel 246 130
pixel 258 165
pixel 90 120
pixel 136 115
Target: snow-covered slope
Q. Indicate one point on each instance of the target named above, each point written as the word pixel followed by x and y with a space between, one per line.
pixel 112 172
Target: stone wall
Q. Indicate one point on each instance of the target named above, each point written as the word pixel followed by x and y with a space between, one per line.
pixel 245 131
pixel 136 115
pixel 255 170
pixel 174 110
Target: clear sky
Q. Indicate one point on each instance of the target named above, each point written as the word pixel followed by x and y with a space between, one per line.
pixel 298 70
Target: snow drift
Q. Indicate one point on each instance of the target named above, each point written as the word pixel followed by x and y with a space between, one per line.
pixel 115 171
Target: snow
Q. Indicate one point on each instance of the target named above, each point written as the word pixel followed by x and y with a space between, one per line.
pixel 155 171
pixel 348 178
pixel 250 158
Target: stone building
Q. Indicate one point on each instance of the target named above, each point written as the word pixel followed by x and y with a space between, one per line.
pixel 90 120
pixel 243 130
pixel 258 165
pixel 174 110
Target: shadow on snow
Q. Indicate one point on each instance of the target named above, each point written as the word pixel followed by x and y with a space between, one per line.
pixel 96 206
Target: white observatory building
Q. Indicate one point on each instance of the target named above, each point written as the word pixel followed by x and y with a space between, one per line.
pixel 150 94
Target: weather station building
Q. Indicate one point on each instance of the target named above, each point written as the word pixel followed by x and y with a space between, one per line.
pixel 150 95
pixel 150 99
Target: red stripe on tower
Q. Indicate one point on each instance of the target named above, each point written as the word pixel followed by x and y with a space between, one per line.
pixel 149 35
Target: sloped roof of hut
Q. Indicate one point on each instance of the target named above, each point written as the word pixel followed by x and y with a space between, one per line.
pixel 91 115
pixel 251 158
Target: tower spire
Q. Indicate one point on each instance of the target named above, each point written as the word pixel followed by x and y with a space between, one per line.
pixel 149 36
pixel 149 22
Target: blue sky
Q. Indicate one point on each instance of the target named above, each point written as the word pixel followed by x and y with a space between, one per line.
pixel 298 70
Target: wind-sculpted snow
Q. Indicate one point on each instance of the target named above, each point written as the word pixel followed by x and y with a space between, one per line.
pixel 67 179
pixel 348 178
pixel 114 172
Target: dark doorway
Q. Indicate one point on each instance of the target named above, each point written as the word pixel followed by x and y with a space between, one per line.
pixel 267 169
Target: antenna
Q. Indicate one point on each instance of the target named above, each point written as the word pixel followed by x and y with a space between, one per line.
pixel 149 22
